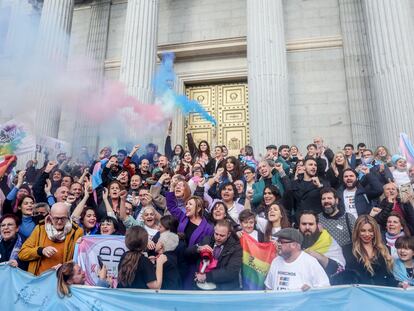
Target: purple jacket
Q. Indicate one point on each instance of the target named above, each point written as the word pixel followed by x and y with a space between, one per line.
pixel 203 229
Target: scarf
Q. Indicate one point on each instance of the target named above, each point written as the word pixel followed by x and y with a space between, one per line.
pixel 392 238
pixel 400 272
pixel 55 235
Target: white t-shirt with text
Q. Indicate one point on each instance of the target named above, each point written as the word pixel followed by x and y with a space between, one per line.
pixel 349 201
pixel 304 270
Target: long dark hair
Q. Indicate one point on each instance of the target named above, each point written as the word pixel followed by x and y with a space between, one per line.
pixel 136 240
pixel 237 172
pixel 181 154
pixel 208 152
pixel 284 221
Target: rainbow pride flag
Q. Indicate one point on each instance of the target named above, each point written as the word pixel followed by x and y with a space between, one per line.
pixel 257 258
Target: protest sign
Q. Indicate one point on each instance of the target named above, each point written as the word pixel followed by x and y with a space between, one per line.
pixel 110 248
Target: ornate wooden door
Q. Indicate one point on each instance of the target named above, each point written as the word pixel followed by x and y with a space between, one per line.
pixel 228 104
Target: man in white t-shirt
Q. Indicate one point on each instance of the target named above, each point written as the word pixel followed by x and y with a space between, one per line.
pixel 358 196
pixel 293 268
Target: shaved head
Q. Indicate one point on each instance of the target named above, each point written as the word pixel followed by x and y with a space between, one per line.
pixel 59 209
pixel 61 193
pixel 59 214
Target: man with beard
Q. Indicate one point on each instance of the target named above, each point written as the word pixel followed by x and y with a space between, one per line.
pixel 338 222
pixel 320 244
pixel 111 170
pixel 284 153
pixel 52 242
pixel 293 268
pixel 304 194
pixel 356 196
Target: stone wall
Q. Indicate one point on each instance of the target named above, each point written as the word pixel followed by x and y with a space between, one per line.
pixel 317 84
pixel 317 79
pixel 188 20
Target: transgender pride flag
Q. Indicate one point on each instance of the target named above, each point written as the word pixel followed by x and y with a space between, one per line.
pixel 406 148
pixel 257 258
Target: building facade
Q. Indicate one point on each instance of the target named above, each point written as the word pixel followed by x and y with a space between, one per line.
pixel 270 71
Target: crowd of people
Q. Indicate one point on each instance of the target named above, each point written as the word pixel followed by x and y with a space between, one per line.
pixel 333 218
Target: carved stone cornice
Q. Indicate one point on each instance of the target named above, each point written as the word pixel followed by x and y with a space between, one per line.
pixel 233 47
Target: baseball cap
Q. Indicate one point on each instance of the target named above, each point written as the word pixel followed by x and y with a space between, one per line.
pixel 271 147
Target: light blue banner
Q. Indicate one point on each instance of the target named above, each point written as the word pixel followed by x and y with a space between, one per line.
pixel 22 291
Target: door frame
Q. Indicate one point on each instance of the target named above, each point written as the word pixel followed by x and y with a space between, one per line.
pixel 204 77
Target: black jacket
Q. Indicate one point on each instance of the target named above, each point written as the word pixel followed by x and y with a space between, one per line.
pixel 356 273
pixel 211 167
pixel 171 278
pixel 335 181
pixel 368 191
pixel 226 274
pixel 304 195
pixel 387 207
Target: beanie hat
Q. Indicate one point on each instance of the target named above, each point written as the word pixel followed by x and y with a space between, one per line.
pixel 395 158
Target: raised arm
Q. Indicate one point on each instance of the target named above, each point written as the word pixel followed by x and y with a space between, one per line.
pixel 172 205
pixel 191 145
pixel 168 148
pixel 81 205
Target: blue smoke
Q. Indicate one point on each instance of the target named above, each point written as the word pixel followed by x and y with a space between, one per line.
pixel 164 88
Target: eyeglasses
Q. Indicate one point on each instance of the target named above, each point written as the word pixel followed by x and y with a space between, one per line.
pixel 7 225
pixel 62 219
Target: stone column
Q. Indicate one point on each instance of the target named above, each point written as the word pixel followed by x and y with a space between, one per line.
pixel 53 42
pixel 85 133
pixel 390 30
pixel 139 50
pixel 267 69
pixel 357 63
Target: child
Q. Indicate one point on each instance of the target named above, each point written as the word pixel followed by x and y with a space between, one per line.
pixel 404 265
pixel 166 245
pixel 247 221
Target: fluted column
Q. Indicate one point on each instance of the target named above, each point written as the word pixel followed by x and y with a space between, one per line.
pixel 357 63
pixel 81 131
pixel 52 49
pixel 390 33
pixel 267 69
pixel 139 52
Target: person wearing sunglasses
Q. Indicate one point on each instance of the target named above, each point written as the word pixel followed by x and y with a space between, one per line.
pixel 52 242
pixel 294 268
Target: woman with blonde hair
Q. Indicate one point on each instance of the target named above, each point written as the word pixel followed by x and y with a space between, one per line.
pixel 335 171
pixel 369 260
pixel 382 155
pixel 70 273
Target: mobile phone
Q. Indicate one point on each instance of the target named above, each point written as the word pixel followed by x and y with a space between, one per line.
pixel 100 262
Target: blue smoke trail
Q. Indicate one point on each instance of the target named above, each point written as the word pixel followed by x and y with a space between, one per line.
pixel 164 90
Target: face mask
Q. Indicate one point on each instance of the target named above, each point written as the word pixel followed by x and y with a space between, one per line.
pixel 366 160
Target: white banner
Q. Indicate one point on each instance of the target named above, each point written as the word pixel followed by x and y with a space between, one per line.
pixel 15 138
pixel 110 248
